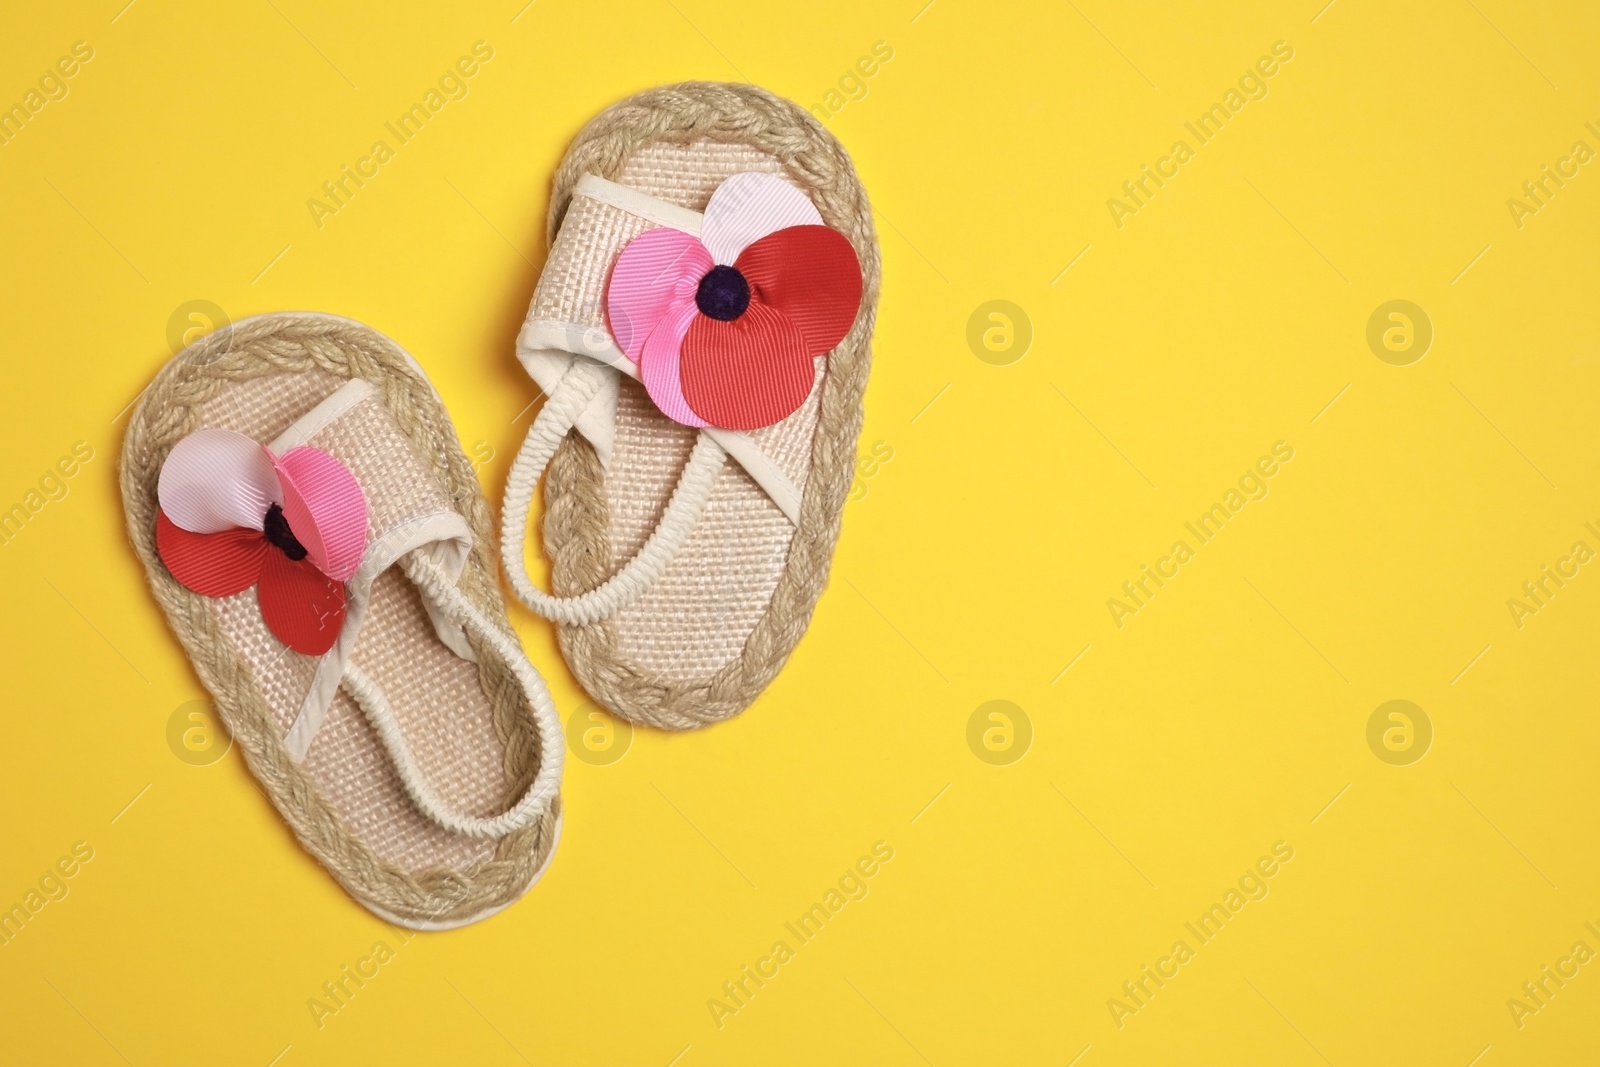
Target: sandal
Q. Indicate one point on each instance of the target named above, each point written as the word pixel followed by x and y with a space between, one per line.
pixel 320 545
pixel 709 297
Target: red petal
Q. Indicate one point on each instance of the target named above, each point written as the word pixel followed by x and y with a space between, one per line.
pixel 303 607
pixel 747 373
pixel 811 274
pixel 212 564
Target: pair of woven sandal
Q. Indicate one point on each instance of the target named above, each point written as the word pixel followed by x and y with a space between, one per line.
pixel 320 544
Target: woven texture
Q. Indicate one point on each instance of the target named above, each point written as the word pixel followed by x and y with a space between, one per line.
pixel 469 725
pixel 723 619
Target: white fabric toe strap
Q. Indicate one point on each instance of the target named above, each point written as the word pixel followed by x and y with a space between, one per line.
pixel 579 367
pixel 425 522
pixel 548 350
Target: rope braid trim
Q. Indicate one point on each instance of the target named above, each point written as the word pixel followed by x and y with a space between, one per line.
pixel 297 343
pixel 577 519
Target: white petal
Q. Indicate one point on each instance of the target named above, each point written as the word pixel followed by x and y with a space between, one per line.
pixel 747 207
pixel 216 480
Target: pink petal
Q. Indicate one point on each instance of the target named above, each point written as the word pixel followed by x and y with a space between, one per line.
pixel 747 207
pixel 326 509
pixel 215 480
pixel 659 369
pixel 659 270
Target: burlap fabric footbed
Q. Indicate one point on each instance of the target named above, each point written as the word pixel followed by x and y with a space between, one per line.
pixel 469 725
pixel 717 627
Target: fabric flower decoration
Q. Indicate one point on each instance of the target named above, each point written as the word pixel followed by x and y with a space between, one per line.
pixel 725 327
pixel 233 515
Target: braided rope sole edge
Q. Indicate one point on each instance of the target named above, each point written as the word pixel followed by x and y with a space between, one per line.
pixel 576 516
pixel 297 342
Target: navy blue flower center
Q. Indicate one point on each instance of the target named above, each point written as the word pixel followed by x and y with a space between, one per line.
pixel 276 529
pixel 723 294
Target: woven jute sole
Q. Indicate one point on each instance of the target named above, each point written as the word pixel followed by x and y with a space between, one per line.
pixel 278 355
pixel 578 517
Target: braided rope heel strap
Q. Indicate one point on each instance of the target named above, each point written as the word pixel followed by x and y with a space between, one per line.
pixel 683 510
pixel 437 585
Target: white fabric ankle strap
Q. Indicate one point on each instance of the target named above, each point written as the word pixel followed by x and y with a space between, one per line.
pixel 571 396
pixel 432 547
pixel 439 587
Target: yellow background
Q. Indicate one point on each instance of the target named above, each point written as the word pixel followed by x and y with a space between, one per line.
pixel 975 565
